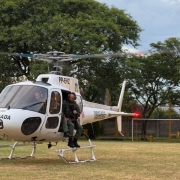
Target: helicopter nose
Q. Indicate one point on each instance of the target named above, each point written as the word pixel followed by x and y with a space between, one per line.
pixel 1 124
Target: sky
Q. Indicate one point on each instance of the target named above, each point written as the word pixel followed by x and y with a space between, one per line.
pixel 159 19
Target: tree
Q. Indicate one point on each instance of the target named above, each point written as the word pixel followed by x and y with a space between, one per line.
pixel 99 76
pixel 37 68
pixel 159 113
pixel 7 71
pixel 154 79
pixel 71 26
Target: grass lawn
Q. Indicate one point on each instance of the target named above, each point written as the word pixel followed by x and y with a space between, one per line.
pixel 119 160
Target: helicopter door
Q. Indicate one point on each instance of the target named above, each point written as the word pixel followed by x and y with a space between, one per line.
pixel 53 118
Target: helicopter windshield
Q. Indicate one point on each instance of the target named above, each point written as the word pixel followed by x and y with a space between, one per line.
pixel 25 97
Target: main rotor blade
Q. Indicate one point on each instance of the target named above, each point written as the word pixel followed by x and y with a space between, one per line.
pixel 43 57
pixel 74 56
pixel 61 57
pixel 17 54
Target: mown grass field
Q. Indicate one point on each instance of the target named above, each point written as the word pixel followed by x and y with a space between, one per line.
pixel 121 160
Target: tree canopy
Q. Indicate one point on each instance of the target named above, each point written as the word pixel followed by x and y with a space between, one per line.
pixel 70 26
pixel 155 78
pixel 88 27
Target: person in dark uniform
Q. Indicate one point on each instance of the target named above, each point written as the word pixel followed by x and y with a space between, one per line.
pixel 71 113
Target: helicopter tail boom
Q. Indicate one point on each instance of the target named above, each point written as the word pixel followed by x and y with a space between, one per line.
pixel 93 112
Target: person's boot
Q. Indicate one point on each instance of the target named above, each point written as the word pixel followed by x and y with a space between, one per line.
pixel 75 143
pixel 66 134
pixel 70 143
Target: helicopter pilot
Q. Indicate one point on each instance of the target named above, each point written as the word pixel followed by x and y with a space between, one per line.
pixel 41 102
pixel 71 113
pixel 37 96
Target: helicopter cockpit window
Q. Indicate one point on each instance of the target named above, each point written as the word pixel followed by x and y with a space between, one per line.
pixel 55 103
pixel 79 102
pixel 25 97
pixel 7 94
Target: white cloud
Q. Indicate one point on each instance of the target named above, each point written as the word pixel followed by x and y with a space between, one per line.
pixel 158 18
pixel 129 49
pixel 171 1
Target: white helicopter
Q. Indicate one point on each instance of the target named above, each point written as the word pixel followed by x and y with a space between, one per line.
pixel 31 123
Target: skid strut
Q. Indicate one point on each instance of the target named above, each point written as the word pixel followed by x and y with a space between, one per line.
pixel 13 146
pixel 60 153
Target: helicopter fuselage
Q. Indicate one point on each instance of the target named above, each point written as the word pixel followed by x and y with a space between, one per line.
pixel 23 117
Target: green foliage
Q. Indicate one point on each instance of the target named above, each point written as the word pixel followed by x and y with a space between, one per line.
pixel 7 71
pixel 94 129
pixel 71 26
pixel 154 79
pixel 159 113
pixel 37 68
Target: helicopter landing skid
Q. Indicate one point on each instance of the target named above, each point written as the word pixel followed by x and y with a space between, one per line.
pixel 16 145
pixel 60 153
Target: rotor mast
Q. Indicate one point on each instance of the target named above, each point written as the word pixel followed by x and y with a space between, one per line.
pixel 56 56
